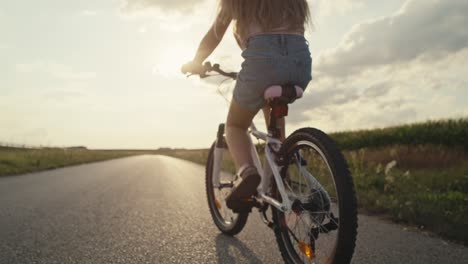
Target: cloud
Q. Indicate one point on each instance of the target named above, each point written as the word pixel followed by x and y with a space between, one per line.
pixel 381 97
pixel 65 94
pixel 378 90
pixel 89 13
pixel 169 16
pixel 55 70
pixel 421 28
pixel 176 6
pixel 326 8
pixel 406 67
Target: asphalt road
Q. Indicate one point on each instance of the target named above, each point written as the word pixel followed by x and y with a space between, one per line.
pixel 152 209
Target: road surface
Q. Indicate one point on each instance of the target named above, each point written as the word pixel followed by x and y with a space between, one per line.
pixel 152 209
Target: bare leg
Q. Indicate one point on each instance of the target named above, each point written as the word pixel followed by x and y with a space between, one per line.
pixel 237 138
pixel 280 122
pixel 240 146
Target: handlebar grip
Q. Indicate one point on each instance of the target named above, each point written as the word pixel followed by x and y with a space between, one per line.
pixel 207 66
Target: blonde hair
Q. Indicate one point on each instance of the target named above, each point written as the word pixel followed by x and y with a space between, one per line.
pixel 268 14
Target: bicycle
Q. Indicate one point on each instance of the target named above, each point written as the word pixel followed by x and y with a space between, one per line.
pixel 310 211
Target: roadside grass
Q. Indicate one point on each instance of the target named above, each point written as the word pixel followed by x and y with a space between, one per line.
pixel 199 156
pixel 423 185
pixel 418 191
pixel 23 160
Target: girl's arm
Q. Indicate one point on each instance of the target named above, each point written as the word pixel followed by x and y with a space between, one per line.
pixel 208 44
pixel 211 39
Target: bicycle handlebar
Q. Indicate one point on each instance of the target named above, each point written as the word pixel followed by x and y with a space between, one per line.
pixel 207 67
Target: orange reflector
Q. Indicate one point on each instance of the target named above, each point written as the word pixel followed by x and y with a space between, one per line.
pixel 307 250
pixel 217 204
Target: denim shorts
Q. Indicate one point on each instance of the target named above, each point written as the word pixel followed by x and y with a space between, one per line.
pixel 271 59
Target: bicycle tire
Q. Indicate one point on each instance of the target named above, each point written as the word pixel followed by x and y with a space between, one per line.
pixel 238 224
pixel 343 250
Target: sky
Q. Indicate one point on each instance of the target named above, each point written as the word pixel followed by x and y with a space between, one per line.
pixel 106 74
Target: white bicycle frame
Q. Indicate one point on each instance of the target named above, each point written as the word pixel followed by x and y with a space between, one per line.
pixel 270 166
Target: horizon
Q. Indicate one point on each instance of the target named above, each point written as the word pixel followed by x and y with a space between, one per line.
pixel 106 75
pixel 162 148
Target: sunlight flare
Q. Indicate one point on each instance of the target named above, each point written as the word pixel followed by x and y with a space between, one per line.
pixel 170 59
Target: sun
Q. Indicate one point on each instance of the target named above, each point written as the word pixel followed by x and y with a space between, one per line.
pixel 169 60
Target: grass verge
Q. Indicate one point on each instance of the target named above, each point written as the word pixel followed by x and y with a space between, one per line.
pixel 412 188
pixel 21 160
pixel 422 185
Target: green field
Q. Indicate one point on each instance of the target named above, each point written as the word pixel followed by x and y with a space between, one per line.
pixel 415 174
pixel 22 160
pixel 449 132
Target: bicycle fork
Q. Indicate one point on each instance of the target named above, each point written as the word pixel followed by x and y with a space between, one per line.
pixel 220 146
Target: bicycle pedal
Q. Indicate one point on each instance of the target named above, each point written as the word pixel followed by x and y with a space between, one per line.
pixel 241 206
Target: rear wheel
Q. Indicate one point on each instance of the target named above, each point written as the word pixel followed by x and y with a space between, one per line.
pixel 322 226
pixel 224 218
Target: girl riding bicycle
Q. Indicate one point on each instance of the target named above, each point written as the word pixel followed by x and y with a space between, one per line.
pixel 271 36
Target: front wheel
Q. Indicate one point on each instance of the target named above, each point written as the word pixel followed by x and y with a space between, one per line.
pixel 218 187
pixel 322 225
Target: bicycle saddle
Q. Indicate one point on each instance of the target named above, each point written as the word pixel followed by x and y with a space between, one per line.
pixel 284 94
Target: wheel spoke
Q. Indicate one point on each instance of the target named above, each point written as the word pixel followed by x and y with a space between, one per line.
pixel 312 190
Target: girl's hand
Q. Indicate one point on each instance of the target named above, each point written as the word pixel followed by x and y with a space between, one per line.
pixel 193 67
